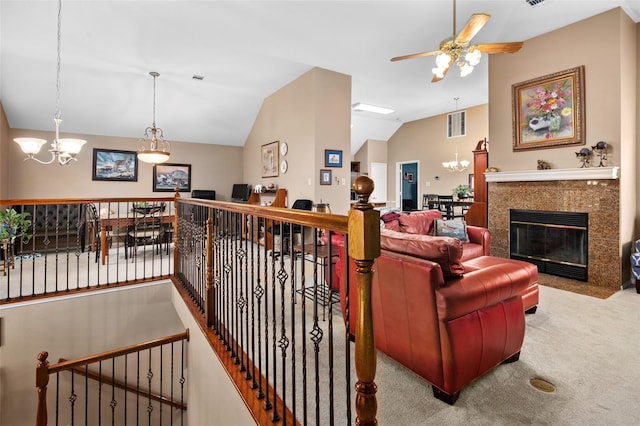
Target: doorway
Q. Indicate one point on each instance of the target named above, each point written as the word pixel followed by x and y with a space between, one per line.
pixel 407 185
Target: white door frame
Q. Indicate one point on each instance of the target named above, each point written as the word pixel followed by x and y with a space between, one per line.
pixel 399 181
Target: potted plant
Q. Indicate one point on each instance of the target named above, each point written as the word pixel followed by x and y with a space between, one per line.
pixel 463 191
pixel 14 224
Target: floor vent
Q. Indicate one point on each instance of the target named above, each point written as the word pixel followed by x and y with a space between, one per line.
pixel 534 2
pixel 542 385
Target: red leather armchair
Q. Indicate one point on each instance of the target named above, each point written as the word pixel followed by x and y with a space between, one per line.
pixel 451 331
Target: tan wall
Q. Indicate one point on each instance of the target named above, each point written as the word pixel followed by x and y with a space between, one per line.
pixel 4 154
pixel 606 45
pixel 571 46
pixel 310 114
pixel 426 141
pixel 212 167
pixel 372 151
pixel 75 327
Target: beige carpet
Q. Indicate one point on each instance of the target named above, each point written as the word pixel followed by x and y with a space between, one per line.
pixel 585 346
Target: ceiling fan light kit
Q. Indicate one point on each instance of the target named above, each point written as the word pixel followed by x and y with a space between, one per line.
pixel 457 49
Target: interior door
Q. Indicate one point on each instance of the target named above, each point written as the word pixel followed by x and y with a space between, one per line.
pixel 407 185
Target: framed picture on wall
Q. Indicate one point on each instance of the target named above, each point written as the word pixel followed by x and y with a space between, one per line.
pixel 332 158
pixel 325 177
pixel 269 159
pixel 548 111
pixel 114 165
pixel 167 177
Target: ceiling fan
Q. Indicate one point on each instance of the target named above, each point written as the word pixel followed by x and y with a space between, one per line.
pixel 456 49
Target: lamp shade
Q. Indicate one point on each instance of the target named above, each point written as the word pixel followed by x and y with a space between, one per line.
pixel 70 146
pixel 154 157
pixel 30 146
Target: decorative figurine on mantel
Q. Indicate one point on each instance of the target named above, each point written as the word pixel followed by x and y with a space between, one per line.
pixel 583 155
pixel 543 165
pixel 601 150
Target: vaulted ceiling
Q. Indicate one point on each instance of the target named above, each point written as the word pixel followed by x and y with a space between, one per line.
pixel 245 50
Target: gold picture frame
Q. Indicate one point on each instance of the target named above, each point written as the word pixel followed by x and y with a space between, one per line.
pixel 270 159
pixel 548 111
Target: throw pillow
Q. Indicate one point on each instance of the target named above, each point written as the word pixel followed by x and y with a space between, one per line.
pixel 393 225
pixel 451 228
pixel 445 251
pixel 418 222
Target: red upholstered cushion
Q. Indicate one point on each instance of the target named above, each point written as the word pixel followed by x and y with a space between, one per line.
pixel 393 225
pixel 419 222
pixel 446 251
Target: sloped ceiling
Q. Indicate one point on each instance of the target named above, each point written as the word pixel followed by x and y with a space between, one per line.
pixel 245 50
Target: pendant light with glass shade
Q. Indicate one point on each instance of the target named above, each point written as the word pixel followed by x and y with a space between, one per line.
pixel 153 148
pixel 63 150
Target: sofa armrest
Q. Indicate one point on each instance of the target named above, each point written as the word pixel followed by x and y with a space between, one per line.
pixel 480 289
pixel 482 236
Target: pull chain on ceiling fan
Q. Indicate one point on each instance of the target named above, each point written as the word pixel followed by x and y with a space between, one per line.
pixel 456 49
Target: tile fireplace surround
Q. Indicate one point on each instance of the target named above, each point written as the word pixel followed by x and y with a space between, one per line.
pixel 595 191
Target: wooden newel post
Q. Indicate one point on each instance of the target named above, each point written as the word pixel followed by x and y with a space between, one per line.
pixel 42 380
pixel 209 295
pixel 364 247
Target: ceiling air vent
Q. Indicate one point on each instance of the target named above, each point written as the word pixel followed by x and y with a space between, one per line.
pixel 457 124
pixel 534 2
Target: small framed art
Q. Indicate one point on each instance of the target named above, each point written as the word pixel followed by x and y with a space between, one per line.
pixel 167 177
pixel 325 177
pixel 332 158
pixel 269 159
pixel 114 165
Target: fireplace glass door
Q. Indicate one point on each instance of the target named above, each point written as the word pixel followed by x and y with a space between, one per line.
pixel 555 241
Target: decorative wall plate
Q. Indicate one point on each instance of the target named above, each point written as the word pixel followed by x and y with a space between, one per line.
pixel 283 166
pixel 284 148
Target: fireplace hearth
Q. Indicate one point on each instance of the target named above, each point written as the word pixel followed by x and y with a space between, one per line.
pixel 557 242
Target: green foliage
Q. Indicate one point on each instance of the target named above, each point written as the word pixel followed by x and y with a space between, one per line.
pixel 462 190
pixel 14 224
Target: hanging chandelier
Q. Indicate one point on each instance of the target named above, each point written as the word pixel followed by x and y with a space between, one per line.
pixel 63 150
pixel 455 165
pixel 153 148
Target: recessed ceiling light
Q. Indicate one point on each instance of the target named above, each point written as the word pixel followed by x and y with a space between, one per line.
pixel 371 108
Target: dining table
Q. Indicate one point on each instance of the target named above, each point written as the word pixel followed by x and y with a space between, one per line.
pixel 449 206
pixel 109 223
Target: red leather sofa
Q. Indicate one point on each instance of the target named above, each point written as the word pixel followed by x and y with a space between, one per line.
pixel 448 317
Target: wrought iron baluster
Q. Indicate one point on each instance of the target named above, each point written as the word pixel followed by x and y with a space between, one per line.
pixel 303 316
pixel 113 404
pixel 149 379
pixel 259 293
pixel 283 342
pixel 274 416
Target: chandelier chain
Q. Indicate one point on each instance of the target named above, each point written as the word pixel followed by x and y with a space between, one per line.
pixel 154 99
pixel 58 104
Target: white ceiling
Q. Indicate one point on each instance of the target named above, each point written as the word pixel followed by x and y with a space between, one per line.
pixel 245 50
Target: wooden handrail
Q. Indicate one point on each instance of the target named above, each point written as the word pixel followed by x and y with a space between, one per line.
pixel 44 369
pixel 67 365
pixel 122 385
pixel 336 223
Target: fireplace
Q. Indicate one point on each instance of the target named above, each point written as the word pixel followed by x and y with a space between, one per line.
pixel 557 242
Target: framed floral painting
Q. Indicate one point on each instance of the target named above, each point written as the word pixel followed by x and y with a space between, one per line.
pixel 549 111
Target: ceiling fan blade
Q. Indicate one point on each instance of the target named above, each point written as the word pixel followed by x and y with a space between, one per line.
pixel 500 47
pixel 415 55
pixel 475 23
